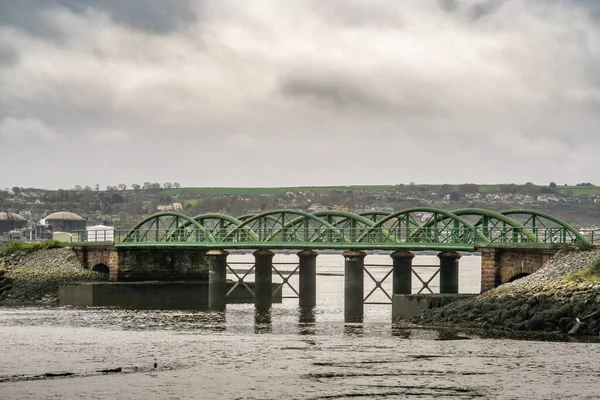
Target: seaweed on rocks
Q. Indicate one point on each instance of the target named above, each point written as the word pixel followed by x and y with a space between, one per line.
pixel 553 299
pixel 36 276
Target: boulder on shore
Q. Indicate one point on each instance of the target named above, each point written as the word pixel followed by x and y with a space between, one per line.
pixel 36 276
pixel 553 299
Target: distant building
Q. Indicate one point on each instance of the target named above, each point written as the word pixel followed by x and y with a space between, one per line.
pixel 65 221
pixel 317 208
pixel 100 233
pixel 10 221
pixel 176 207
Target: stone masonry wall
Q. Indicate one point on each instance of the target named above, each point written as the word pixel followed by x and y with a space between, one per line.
pixel 161 264
pixel 91 256
pixel 489 265
pixel 498 266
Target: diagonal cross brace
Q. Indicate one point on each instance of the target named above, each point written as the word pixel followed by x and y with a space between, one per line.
pixel 241 281
pixel 378 284
pixel 425 284
pixel 286 280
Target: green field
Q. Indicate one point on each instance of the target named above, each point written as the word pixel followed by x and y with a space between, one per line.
pixel 579 190
pixel 215 191
pixel 256 191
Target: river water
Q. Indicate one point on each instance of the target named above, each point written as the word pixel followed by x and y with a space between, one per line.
pixel 286 354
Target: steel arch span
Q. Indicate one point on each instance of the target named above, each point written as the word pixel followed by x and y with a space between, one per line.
pixel 419 228
pixel 492 227
pixel 444 228
pixel 547 227
pixel 168 227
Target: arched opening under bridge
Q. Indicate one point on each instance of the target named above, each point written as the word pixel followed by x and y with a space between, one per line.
pixel 518 276
pixel 101 269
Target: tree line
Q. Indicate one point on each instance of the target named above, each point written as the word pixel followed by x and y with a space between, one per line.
pixel 123 187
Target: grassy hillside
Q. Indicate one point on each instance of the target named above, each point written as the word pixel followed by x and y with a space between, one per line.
pixel 249 191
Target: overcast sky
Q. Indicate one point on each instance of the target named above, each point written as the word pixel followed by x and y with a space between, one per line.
pixel 288 93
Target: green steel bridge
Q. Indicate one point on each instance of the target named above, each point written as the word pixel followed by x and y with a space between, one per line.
pixel 420 228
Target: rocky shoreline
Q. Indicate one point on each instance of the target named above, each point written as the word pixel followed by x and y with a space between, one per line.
pixel 34 277
pixel 562 297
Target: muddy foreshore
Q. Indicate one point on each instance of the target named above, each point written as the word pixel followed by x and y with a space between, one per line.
pixel 34 277
pixel 553 300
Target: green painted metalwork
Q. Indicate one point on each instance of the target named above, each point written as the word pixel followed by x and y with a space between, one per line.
pixel 494 226
pixel 402 227
pixel 535 219
pixel 459 230
pixel 168 227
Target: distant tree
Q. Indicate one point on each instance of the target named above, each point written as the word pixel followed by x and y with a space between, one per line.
pixel 530 188
pixel 552 185
pixel 454 196
pixel 16 191
pixel 122 186
pixel 146 185
pixel 445 189
pixel 510 188
pixel 97 187
pixel 176 185
pixel 87 188
pixel 155 186
pixel 468 188
pixel 77 188
pixel 116 198
pixel 167 185
pixel 135 186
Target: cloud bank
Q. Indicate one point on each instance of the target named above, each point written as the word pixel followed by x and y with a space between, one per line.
pixel 212 93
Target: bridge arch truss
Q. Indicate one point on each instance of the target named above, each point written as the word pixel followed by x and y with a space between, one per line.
pixel 414 228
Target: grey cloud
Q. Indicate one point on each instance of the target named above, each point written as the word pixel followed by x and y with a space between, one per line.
pixel 448 5
pixel 472 10
pixel 349 96
pixel 591 6
pixel 8 55
pixel 332 92
pixel 356 13
pixel 29 16
pixel 485 8
pixel 153 16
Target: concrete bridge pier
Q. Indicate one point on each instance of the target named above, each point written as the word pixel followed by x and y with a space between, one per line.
pixel 354 280
pixel 402 275
pixel 308 278
pixel 263 278
pixel 217 279
pixel 449 272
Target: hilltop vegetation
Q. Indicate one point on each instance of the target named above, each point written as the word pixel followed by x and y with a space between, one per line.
pixel 123 205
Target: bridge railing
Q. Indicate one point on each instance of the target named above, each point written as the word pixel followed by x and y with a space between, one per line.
pixel 592 236
pixel 363 237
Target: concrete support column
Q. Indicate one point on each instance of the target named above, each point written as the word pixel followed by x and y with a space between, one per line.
pixel 217 279
pixel 263 278
pixel 402 275
pixel 308 278
pixel 449 272
pixel 354 280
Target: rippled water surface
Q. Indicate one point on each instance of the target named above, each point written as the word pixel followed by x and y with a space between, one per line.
pixel 285 354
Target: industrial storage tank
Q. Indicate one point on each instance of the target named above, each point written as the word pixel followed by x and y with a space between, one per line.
pixel 65 221
pixel 10 221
